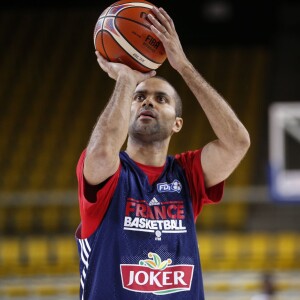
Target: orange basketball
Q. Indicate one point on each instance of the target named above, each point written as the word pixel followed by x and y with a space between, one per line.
pixel 122 34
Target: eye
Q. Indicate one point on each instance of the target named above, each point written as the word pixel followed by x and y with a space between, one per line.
pixel 139 97
pixel 161 99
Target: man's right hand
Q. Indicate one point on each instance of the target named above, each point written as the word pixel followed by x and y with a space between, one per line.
pixel 114 70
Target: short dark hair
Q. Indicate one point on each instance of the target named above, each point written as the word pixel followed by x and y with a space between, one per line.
pixel 178 102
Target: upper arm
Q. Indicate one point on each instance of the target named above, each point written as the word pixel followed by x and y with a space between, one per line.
pixel 191 163
pixel 98 167
pixel 93 200
pixel 219 161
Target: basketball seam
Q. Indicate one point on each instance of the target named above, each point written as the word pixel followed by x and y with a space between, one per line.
pixel 102 42
pixel 128 3
pixel 126 51
pixel 101 32
pixel 156 62
pixel 124 18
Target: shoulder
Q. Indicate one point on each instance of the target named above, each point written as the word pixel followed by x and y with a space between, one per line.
pixel 189 159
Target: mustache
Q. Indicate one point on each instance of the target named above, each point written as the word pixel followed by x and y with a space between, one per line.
pixel 147 109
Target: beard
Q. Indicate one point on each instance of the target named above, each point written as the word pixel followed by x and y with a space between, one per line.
pixel 148 132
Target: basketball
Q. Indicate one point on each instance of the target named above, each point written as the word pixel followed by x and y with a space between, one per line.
pixel 122 34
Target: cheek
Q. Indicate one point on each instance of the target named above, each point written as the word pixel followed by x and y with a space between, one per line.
pixel 133 110
pixel 170 115
pixel 132 118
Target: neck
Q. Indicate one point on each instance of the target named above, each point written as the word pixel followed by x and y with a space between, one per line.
pixel 151 154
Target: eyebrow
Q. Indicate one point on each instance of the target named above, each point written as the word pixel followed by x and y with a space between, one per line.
pixel 159 93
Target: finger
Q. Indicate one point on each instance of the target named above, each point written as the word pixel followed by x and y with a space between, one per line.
pixel 162 29
pixel 102 61
pixel 161 18
pixel 99 56
pixel 158 33
pixel 168 18
pixel 150 74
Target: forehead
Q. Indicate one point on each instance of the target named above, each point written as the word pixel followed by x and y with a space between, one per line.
pixel 153 85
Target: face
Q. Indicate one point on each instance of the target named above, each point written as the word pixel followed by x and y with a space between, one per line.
pixel 153 116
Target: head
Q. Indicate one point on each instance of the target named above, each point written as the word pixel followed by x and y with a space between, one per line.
pixel 155 111
pixel 178 102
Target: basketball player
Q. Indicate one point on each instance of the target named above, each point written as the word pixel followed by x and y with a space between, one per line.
pixel 137 238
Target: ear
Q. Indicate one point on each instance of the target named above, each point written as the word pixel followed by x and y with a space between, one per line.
pixel 177 124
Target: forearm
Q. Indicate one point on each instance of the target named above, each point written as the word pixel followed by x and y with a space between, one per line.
pixel 226 125
pixel 109 133
pixel 220 157
pixel 111 129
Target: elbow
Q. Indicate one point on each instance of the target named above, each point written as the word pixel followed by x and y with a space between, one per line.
pixel 246 140
pixel 100 154
pixel 243 142
pixel 239 142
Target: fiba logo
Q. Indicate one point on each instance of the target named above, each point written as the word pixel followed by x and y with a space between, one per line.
pixel 152 41
pixel 175 186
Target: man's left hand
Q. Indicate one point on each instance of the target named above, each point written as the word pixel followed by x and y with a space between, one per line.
pixel 163 27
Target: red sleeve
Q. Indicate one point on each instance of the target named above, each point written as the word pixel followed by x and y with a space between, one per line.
pixel 93 200
pixel 191 163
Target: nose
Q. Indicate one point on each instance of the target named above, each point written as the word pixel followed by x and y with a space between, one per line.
pixel 147 102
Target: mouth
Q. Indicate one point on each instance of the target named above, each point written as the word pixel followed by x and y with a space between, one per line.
pixel 146 114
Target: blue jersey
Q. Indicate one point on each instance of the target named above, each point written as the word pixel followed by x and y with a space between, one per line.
pixel 146 246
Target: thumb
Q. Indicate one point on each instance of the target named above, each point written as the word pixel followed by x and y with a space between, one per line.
pixel 150 74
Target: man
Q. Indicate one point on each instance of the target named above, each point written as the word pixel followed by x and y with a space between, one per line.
pixel 268 289
pixel 137 238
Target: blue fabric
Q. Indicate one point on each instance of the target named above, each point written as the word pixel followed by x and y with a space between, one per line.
pixel 146 244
